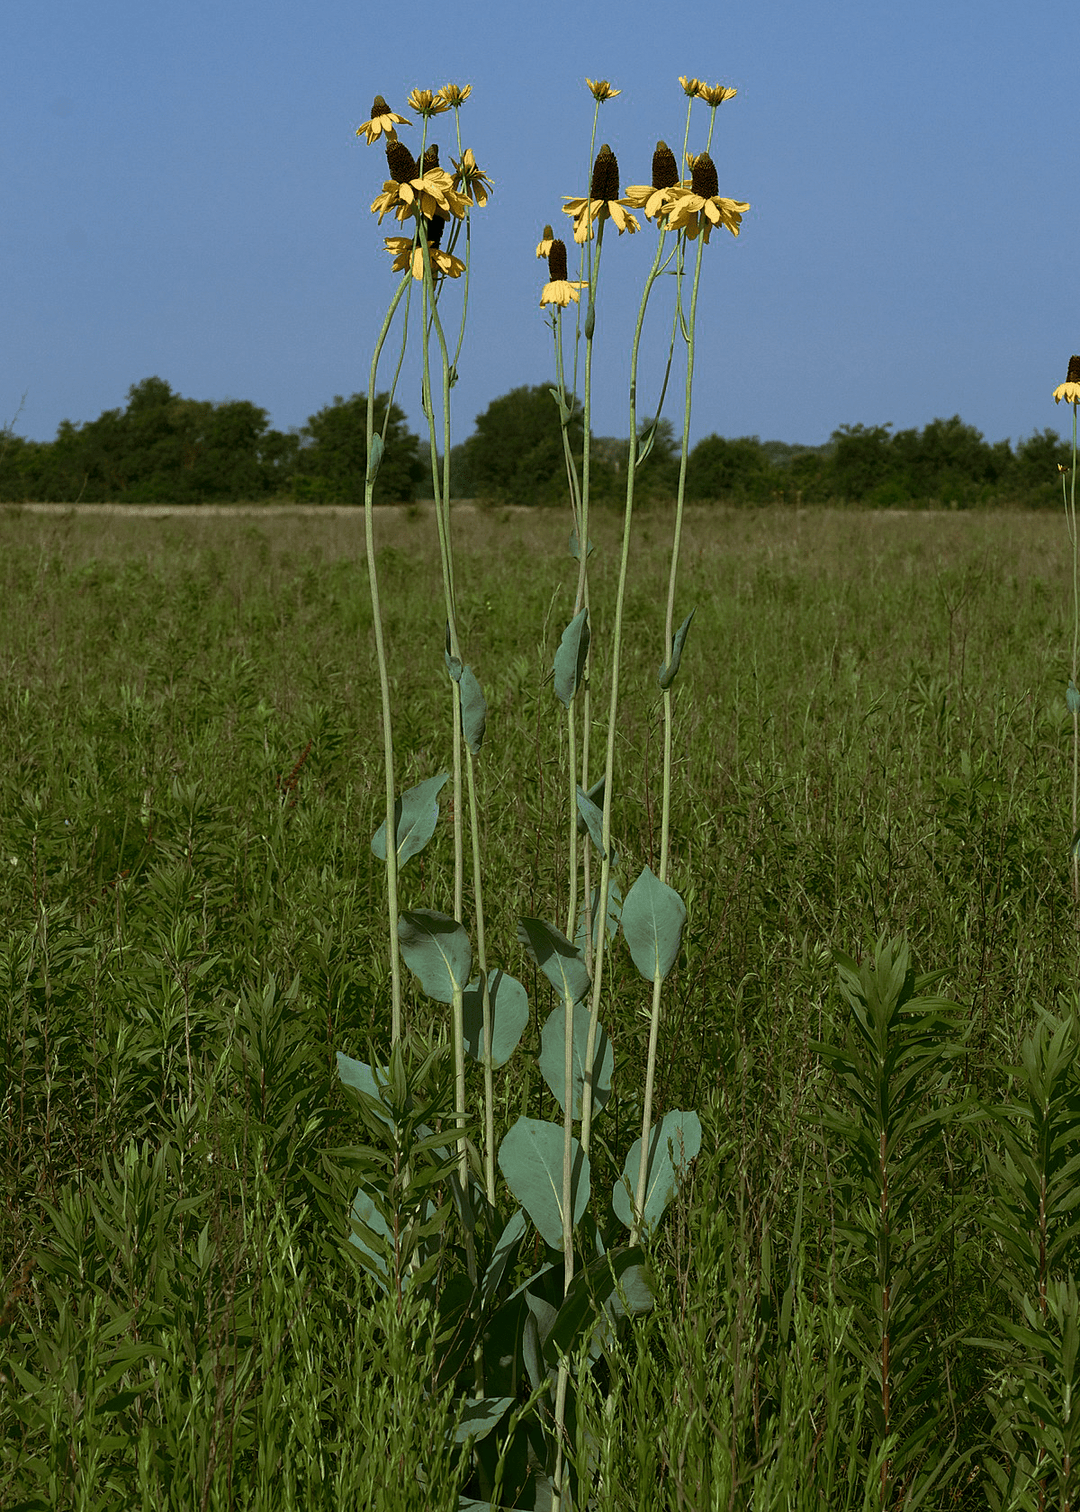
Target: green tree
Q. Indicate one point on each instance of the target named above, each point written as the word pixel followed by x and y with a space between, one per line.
pixel 331 460
pixel 735 470
pixel 515 455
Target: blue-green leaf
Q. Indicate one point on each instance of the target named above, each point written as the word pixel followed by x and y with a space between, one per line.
pixel 672 1146
pixel 1072 697
pixel 416 813
pixel 473 711
pixel 531 1159
pixel 614 913
pixel 592 817
pixel 371 1235
pixel 509 1004
pixel 375 456
pixel 645 444
pixel 479 1418
pixel 570 657
pixel 653 916
pixel 669 669
pixel 553 1059
pixel 564 412
pixel 453 663
pixel 437 950
pixel 502 1253
pixel 595 795
pixel 561 962
pixel 575 546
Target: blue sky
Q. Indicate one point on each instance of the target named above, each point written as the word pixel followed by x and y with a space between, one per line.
pixel 184 195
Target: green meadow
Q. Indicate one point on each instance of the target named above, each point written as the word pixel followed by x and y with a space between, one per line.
pixel 865 1291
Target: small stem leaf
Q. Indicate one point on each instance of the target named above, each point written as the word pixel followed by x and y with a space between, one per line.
pixel 552 1060
pixel 453 663
pixel 375 457
pixel 538 1325
pixel 509 1003
pixel 672 1146
pixel 615 1285
pixel 575 546
pixel 416 813
pixel 570 657
pixel 503 1253
pixel 593 819
pixel 614 913
pixel 479 1418
pixel 645 444
pixel 595 795
pixel 561 962
pixel 1072 697
pixel 564 413
pixel 437 950
pixel 668 670
pixel 652 923
pixel 473 711
pixel 531 1159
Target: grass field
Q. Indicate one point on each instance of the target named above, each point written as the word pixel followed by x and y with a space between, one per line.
pixel 872 742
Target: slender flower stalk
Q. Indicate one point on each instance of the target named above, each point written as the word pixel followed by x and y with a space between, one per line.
pixel 1070 392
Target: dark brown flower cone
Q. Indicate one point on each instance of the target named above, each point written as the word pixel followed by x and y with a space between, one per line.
pixel 431 157
pixel 704 179
pixel 379 107
pixel 1073 375
pixel 557 261
pixel 665 170
pixel 435 227
pixel 401 163
pixel 605 176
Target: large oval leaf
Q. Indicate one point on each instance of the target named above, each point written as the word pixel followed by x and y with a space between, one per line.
pixel 653 916
pixel 509 1004
pixel 553 1059
pixel 561 962
pixel 672 1146
pixel 437 950
pixel 614 913
pixel 416 813
pixel 473 711
pixel 531 1159
pixel 570 657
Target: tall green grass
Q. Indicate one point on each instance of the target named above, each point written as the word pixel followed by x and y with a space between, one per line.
pixel 872 742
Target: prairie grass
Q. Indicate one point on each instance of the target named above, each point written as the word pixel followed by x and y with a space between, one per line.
pixel 872 741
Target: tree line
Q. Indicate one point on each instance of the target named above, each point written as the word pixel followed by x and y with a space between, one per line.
pixel 163 448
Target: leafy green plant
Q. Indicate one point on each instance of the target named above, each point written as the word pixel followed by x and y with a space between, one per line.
pixel 892 1068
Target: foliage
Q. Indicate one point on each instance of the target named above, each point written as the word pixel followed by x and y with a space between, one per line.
pixel 332 460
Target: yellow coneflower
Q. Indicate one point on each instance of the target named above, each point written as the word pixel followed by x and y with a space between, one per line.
pixel 382 123
pixel 409 190
pixel 1070 389
pixel 690 86
pixel 470 180
pixel 544 245
pixel 559 290
pixel 701 208
pixel 409 254
pixel 660 196
pixel 455 94
pixel 600 89
pixel 603 202
pixel 427 102
pixel 715 94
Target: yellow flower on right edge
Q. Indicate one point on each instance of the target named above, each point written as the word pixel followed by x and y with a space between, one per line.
pixel 701 208
pixel 1070 389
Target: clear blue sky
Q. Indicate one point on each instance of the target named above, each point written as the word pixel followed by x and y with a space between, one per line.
pixel 184 195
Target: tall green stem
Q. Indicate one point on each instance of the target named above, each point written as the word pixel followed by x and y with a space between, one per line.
pixel 384 679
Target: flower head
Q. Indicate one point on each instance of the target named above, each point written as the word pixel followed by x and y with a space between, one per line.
pixel 603 202
pixel 702 207
pixel 470 180
pixel 428 193
pixel 1070 389
pixel 544 245
pixel 425 103
pixel 455 94
pixel 409 254
pixel 715 94
pixel 382 123
pixel 658 197
pixel 600 89
pixel 559 290
pixel 690 86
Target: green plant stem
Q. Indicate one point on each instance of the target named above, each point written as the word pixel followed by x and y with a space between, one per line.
pixel 384 680
pixel 481 957
pixel 609 762
pixel 669 621
pixel 1076 640
pixel 646 1115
